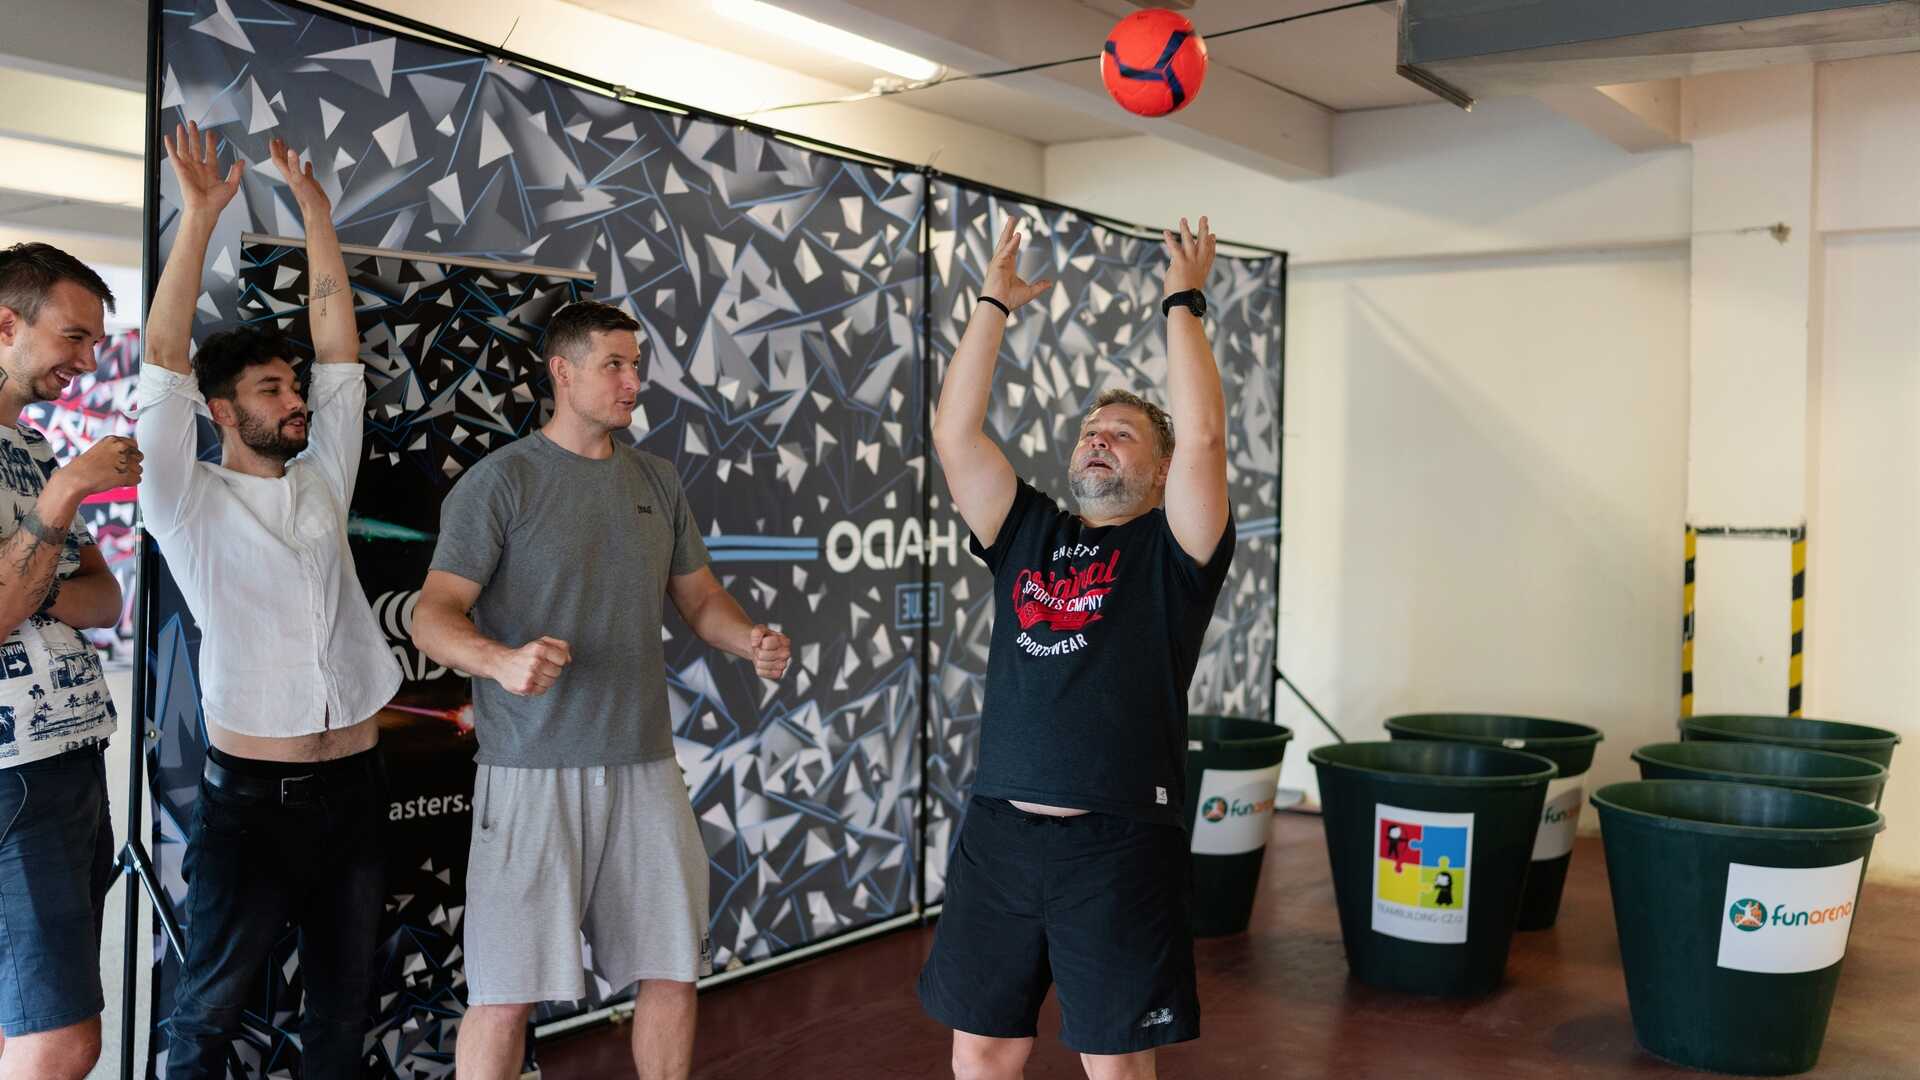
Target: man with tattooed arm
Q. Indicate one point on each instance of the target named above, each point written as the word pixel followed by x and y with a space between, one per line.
pixel 293 665
pixel 56 842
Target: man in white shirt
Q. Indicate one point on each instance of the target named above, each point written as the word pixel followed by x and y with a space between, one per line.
pixel 293 665
pixel 56 842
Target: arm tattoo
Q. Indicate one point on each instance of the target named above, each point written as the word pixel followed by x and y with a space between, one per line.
pixel 323 287
pixel 38 535
pixel 53 594
pixel 46 533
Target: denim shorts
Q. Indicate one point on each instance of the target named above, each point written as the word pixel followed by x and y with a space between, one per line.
pixel 56 864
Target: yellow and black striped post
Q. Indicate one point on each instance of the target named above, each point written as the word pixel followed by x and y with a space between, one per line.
pixel 1686 632
pixel 1796 661
pixel 1796 664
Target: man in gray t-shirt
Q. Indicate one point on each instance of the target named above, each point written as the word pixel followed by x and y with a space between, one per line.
pixel 556 558
pixel 583 549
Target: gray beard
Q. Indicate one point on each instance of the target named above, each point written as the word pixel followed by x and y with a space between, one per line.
pixel 1102 495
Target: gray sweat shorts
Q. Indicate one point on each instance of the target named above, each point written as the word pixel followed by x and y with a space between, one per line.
pixel 609 851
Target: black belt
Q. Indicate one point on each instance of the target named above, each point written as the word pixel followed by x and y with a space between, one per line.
pixel 287 790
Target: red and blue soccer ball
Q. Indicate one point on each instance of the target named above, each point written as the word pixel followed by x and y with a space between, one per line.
pixel 1154 62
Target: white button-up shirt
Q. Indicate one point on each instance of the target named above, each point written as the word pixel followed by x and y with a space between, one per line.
pixel 289 645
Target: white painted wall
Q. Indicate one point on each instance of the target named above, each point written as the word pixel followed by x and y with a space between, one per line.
pixel 1416 181
pixel 1487 460
pixel 1486 456
pixel 1484 489
pixel 1752 134
pixel 1863 548
pixel 1869 161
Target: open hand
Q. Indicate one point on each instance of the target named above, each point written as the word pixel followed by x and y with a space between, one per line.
pixel 1003 279
pixel 306 190
pixel 1189 257
pixel 196 162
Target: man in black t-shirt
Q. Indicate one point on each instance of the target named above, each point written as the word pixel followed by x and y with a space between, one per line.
pixel 1071 865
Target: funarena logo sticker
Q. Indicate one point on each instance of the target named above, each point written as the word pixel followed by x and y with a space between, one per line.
pixel 1219 809
pixel 1750 915
pixel 1233 810
pixel 1801 925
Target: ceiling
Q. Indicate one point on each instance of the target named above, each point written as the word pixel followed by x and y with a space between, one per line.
pixel 1340 62
pixel 1343 61
pixel 72 71
pixel 73 82
pixel 986 103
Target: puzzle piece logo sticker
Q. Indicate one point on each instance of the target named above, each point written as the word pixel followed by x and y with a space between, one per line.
pixel 1422 874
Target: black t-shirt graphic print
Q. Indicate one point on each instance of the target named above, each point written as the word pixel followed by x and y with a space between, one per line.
pixel 1096 635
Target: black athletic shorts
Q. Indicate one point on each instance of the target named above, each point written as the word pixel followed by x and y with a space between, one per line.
pixel 1095 905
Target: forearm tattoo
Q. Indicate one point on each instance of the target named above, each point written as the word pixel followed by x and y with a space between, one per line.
pixel 53 595
pixel 26 545
pixel 46 533
pixel 323 287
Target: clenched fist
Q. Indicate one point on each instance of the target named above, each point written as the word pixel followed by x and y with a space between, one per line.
pixel 111 463
pixel 533 668
pixel 771 650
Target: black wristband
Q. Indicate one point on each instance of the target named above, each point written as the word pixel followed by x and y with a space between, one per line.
pixel 42 531
pixel 1004 309
pixel 1192 299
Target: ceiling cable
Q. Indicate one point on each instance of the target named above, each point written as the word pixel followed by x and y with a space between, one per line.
pixel 892 88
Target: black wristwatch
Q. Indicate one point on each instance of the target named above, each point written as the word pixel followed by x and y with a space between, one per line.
pixel 1193 300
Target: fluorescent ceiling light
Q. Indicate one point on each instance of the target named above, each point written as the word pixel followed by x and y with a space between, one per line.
pixel 832 39
pixel 63 172
pixel 73 113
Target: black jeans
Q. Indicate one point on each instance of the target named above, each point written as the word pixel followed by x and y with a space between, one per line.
pixel 255 863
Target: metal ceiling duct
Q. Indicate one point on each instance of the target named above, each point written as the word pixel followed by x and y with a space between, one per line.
pixel 1463 50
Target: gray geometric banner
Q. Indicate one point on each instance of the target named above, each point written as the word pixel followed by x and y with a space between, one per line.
pixel 780 291
pixel 1098 327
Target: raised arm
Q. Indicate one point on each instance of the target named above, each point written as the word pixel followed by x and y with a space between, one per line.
pixel 336 392
pixel 167 396
pixel 979 477
pixel 203 195
pixel 336 337
pixel 1197 481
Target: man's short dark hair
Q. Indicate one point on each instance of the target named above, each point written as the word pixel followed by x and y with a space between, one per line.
pixel 28 273
pixel 225 355
pixel 570 331
pixel 1162 423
